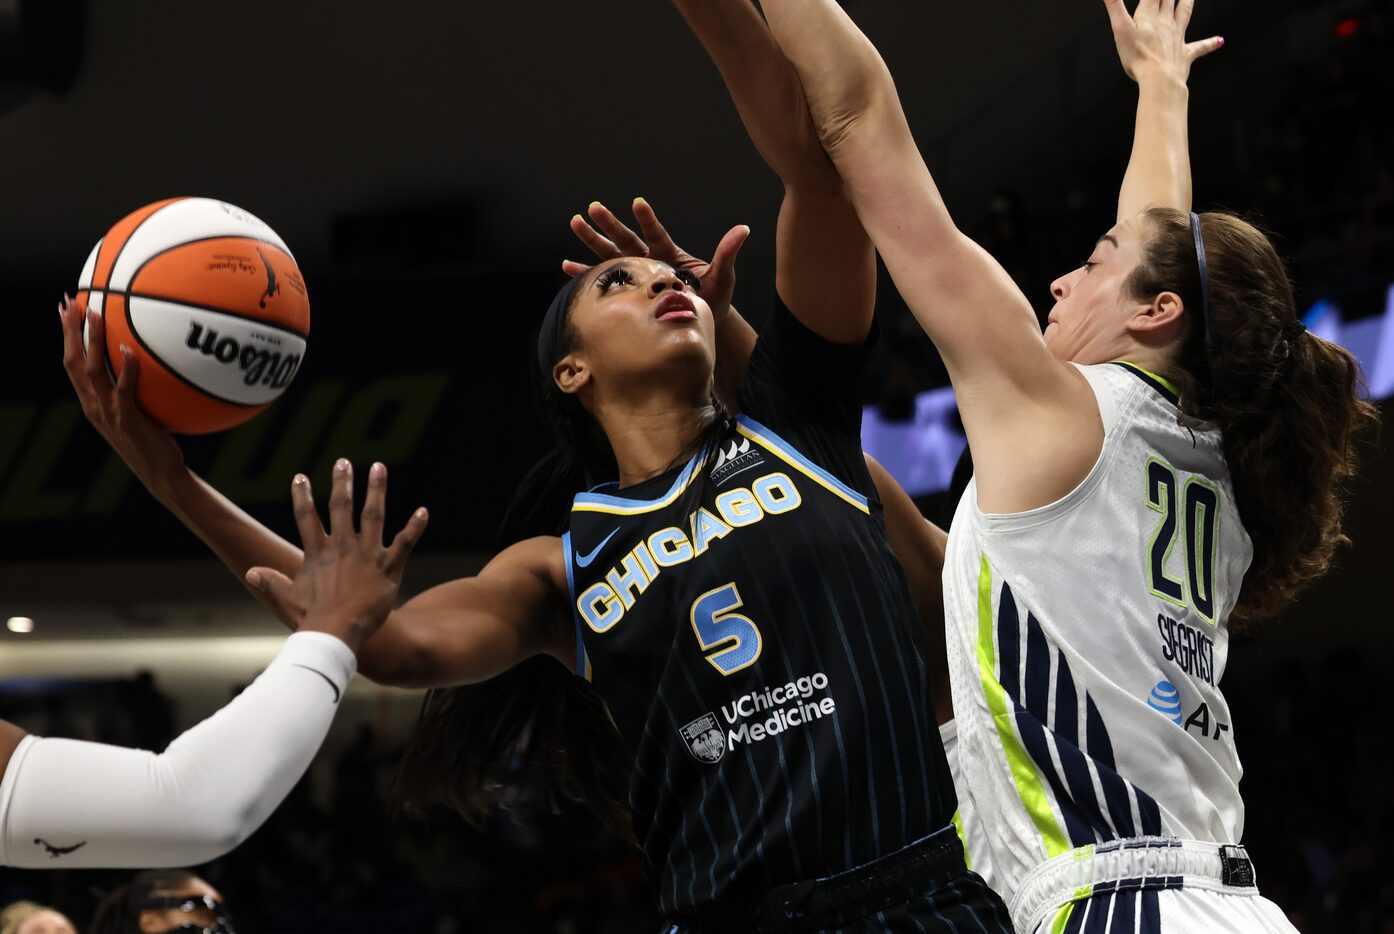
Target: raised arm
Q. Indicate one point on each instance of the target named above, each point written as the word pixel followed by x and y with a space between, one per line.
pixel 825 269
pixel 464 630
pixel 1153 49
pixel 1013 394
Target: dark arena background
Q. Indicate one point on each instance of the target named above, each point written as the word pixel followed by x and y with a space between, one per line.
pixel 422 160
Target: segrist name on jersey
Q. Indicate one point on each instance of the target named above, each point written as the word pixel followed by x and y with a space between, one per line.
pixel 760 714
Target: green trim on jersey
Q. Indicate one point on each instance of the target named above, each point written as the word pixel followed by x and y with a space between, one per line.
pixel 1024 776
pixel 1062 918
pixel 962 838
pixel 1157 376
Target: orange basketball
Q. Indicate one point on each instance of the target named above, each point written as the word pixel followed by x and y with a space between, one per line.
pixel 210 301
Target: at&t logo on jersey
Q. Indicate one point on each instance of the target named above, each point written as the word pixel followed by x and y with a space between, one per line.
pixel 1166 700
pixel 703 739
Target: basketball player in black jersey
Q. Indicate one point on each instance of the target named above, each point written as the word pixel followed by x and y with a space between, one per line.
pixel 739 645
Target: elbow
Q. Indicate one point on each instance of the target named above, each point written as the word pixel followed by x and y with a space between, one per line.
pixel 850 110
pixel 221 827
pixel 405 668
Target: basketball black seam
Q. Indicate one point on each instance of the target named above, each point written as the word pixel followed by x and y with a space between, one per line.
pixel 128 295
pixel 304 336
pixel 130 323
pixel 183 243
pixel 125 243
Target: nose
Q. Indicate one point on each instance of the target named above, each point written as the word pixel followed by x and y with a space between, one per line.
pixel 664 281
pixel 1060 287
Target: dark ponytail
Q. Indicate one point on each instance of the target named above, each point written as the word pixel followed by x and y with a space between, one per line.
pixel 119 912
pixel 1286 402
pixel 535 736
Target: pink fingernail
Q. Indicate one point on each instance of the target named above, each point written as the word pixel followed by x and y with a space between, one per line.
pixel 341 464
pixel 300 479
pixel 1222 41
pixel 378 471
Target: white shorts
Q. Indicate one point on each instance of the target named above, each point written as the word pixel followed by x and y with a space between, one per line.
pixel 1146 885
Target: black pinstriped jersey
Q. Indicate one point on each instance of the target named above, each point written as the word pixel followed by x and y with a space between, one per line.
pixel 755 639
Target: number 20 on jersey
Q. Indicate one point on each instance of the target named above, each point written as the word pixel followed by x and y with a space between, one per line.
pixel 1195 524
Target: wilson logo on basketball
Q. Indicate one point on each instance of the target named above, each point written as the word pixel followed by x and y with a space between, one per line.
pixel 258 365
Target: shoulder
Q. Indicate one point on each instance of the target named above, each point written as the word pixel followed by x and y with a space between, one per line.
pixel 1115 385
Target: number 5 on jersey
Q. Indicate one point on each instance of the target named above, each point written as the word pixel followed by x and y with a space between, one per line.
pixel 731 641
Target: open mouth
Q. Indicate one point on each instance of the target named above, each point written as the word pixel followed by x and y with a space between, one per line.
pixel 675 306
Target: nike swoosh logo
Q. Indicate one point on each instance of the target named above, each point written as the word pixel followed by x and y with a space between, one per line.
pixel 584 561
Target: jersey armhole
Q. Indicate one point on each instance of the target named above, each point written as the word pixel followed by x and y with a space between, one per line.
pixel 1116 394
pixel 582 668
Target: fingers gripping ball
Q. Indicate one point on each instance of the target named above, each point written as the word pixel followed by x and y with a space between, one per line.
pixel 211 303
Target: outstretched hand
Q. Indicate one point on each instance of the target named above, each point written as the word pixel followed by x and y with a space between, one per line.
pixel 614 239
pixel 347 584
pixel 1152 41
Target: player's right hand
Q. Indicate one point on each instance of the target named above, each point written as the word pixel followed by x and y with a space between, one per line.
pixel 149 450
pixel 613 238
pixel 347 583
pixel 1152 41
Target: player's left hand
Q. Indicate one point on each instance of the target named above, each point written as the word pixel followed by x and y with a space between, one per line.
pixel 613 239
pixel 1152 41
pixel 347 583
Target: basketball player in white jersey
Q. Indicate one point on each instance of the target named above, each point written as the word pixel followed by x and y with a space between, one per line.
pixel 1166 460
pixel 69 804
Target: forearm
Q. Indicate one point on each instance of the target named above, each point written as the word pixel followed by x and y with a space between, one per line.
pixel 239 540
pixel 857 114
pixel 735 341
pixel 68 804
pixel 764 87
pixel 1159 170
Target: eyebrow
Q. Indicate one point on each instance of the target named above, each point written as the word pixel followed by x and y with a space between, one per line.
pixel 1110 238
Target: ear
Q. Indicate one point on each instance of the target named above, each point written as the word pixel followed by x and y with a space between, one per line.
pixel 1164 314
pixel 571 374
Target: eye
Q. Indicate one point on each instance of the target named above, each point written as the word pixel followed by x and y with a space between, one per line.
pixel 688 279
pixel 1088 265
pixel 615 275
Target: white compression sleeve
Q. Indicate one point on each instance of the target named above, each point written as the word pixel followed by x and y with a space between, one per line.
pixel 68 804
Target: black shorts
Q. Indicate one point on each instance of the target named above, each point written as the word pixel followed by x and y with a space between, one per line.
pixel 870 898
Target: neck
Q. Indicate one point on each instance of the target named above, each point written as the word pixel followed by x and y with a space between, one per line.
pixel 653 435
pixel 1158 359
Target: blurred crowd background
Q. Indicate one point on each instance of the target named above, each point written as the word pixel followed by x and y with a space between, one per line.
pixel 1293 125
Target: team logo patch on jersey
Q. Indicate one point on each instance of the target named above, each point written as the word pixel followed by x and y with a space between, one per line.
pixel 704 739
pixel 735 458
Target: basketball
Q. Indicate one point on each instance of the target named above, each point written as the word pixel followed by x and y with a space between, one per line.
pixel 211 303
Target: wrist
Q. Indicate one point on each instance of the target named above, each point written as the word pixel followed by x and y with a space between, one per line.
pixel 1162 82
pixel 171 487
pixel 348 628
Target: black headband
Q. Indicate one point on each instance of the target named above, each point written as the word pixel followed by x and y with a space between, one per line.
pixel 1204 277
pixel 554 326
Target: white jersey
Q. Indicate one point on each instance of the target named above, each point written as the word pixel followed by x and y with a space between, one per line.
pixel 1086 643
